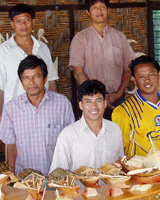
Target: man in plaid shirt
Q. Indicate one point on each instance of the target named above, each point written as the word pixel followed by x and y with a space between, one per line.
pixel 32 121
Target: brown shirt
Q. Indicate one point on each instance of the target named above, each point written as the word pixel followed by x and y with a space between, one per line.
pixel 104 58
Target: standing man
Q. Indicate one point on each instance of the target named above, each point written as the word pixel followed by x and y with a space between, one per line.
pixel 103 53
pixel 91 141
pixel 139 116
pixel 32 121
pixel 14 50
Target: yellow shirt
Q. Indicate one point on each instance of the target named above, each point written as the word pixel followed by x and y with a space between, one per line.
pixel 142 119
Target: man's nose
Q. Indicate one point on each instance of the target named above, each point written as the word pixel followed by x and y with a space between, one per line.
pixel 94 104
pixel 31 79
pixel 147 78
pixel 23 22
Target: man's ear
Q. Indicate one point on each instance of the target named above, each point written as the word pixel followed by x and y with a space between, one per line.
pixel 33 21
pixel 80 105
pixel 133 79
pixel 46 78
pixel 88 13
pixel 105 101
pixel 159 75
pixel 12 24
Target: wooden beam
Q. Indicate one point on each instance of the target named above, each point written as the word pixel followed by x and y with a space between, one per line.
pixel 75 7
pixel 150 35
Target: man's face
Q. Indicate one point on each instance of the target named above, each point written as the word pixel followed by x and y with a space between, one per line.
pixel 22 24
pixel 98 13
pixel 146 78
pixel 93 107
pixel 33 81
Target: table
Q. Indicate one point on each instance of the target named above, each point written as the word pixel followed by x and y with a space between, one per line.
pixel 20 194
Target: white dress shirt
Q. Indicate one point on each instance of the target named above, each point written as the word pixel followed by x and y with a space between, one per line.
pixel 77 145
pixel 10 57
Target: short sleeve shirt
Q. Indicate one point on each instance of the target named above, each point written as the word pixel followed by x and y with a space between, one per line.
pixel 10 57
pixel 104 58
pixel 35 130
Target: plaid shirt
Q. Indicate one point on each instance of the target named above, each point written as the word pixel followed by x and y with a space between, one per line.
pixel 35 131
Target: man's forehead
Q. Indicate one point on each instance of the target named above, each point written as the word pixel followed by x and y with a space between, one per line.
pixel 22 15
pixel 144 66
pixel 92 96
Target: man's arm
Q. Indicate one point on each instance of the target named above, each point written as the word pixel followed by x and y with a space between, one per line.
pixel 11 155
pixel 1 102
pixel 124 83
pixel 52 86
pixel 79 74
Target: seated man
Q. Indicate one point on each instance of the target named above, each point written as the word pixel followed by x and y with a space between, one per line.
pixel 139 116
pixel 32 122
pixel 92 140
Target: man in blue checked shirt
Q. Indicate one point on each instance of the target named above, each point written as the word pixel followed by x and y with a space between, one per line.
pixel 32 122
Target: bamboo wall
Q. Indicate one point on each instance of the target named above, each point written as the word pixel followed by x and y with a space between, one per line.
pixel 132 21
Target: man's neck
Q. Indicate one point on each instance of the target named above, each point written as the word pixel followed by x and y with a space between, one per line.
pixel 95 126
pixel 35 100
pixel 153 98
pixel 25 43
pixel 99 27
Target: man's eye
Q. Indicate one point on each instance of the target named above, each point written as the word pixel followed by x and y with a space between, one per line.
pixel 25 78
pixel 37 76
pixel 27 19
pixel 98 100
pixel 18 20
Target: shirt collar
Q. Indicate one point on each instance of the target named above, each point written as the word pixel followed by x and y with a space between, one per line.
pixel 85 127
pixel 13 43
pixel 25 99
pixel 142 99
pixel 104 31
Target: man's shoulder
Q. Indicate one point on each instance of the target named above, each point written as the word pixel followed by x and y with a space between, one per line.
pixel 116 32
pixel 71 129
pixel 130 102
pixel 57 96
pixel 16 101
pixel 5 43
pixel 111 124
pixel 39 43
pixel 83 33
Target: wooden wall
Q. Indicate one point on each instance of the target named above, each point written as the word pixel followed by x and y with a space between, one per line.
pixel 56 23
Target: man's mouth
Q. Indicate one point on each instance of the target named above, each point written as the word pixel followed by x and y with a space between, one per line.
pixel 148 86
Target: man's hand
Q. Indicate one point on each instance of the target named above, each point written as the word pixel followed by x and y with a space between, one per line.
pixel 111 98
pixel 79 74
pixel 11 155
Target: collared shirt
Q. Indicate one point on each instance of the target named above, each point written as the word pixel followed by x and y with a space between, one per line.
pixel 103 58
pixel 35 131
pixel 138 119
pixel 77 145
pixel 10 57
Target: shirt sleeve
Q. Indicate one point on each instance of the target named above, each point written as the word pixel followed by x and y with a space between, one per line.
pixel 52 73
pixel 77 52
pixel 69 115
pixel 62 152
pixel 120 117
pixel 3 74
pixel 7 133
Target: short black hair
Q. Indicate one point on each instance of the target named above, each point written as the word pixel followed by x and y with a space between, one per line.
pixel 20 9
pixel 91 87
pixel 31 62
pixel 141 60
pixel 89 3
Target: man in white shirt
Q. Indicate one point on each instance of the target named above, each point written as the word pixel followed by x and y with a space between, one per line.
pixel 13 51
pixel 91 141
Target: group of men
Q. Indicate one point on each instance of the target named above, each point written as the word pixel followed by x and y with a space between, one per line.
pixel 38 123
